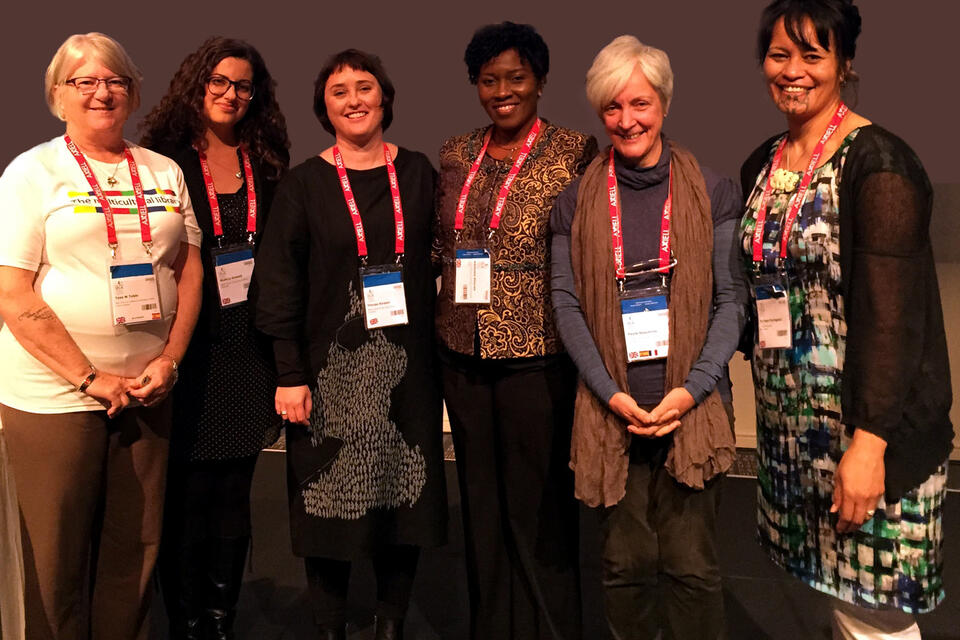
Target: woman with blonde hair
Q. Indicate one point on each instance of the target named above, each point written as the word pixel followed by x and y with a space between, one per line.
pixel 649 303
pixel 99 291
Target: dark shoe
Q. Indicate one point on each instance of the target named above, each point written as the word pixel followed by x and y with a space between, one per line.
pixel 388 629
pixel 331 633
pixel 224 576
pixel 180 576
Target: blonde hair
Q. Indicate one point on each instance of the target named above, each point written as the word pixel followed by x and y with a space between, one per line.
pixel 83 47
pixel 615 63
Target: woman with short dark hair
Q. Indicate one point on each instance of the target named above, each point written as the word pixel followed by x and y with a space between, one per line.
pixel 221 122
pixel 344 288
pixel 507 383
pixel 849 355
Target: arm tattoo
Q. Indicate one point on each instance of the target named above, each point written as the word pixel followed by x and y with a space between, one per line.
pixel 41 313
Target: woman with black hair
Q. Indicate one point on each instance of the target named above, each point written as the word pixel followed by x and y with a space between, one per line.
pixel 345 290
pixel 508 386
pixel 849 358
pixel 221 122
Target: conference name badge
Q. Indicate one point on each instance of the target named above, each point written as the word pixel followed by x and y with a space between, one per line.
pixel 233 268
pixel 774 328
pixel 472 282
pixel 384 298
pixel 134 296
pixel 646 323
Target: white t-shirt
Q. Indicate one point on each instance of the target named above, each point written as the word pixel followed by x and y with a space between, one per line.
pixel 51 223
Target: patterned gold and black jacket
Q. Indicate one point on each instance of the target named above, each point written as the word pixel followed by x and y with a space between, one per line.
pixel 518 322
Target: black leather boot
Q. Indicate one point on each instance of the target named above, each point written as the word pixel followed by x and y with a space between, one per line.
pixel 388 629
pixel 224 575
pixel 180 572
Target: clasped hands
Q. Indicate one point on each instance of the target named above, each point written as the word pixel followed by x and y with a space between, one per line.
pixel 153 384
pixel 658 422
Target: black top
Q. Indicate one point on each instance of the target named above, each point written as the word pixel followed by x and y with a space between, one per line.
pixel 896 377
pixel 223 400
pixel 368 470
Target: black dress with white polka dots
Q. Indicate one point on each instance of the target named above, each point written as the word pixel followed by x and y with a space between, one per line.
pixel 223 401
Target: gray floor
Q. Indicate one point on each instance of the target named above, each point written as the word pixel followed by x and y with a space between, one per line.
pixel 762 602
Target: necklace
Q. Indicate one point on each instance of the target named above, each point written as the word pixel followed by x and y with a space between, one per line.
pixel 236 174
pixel 112 178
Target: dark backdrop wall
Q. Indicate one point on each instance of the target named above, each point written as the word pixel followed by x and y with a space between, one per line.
pixel 907 60
pixel 907 57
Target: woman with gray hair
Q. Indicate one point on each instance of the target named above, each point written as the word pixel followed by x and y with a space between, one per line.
pixel 649 301
pixel 99 292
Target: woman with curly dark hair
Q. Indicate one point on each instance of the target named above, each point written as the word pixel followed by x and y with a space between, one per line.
pixel 508 385
pixel 221 122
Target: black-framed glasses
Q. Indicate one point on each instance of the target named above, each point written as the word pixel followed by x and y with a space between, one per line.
pixel 89 84
pixel 219 85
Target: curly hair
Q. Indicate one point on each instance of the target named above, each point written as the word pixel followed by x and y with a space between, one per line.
pixel 490 41
pixel 178 118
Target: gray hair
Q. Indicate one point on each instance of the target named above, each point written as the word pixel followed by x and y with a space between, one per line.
pixel 83 47
pixel 615 63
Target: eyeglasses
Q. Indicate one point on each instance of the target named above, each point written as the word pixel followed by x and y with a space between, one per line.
pixel 219 85
pixel 89 84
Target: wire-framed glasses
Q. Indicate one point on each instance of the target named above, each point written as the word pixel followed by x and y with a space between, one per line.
pixel 89 84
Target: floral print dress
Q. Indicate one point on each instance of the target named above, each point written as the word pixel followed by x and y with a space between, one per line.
pixel 895 559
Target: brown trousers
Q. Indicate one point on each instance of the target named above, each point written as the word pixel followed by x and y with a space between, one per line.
pixel 90 491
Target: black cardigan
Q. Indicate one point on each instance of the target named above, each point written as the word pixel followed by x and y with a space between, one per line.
pixel 208 324
pixel 896 377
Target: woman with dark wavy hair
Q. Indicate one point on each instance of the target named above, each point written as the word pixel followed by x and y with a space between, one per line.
pixel 221 122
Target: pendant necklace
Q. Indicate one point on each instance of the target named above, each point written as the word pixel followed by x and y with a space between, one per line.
pixel 112 179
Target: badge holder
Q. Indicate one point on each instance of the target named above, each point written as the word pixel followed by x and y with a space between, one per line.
pixel 771 294
pixel 233 269
pixel 645 311
pixel 134 294
pixel 384 298
pixel 472 282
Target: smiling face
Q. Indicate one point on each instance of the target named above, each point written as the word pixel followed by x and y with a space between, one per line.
pixel 354 103
pixel 509 91
pixel 227 109
pixel 803 80
pixel 101 112
pixel 633 120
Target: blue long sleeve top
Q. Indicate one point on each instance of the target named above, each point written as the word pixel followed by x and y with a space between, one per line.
pixel 642 194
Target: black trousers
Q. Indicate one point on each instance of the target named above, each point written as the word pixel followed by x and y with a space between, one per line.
pixel 660 554
pixel 511 424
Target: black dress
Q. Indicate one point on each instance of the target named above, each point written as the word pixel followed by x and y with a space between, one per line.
pixel 376 392
pixel 223 399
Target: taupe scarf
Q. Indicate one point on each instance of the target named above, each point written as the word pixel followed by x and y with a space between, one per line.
pixel 703 446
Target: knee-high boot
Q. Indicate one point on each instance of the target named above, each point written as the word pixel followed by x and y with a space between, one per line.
pixel 224 575
pixel 181 576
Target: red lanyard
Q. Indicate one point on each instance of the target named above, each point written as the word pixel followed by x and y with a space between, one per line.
pixel 145 236
pixel 616 223
pixel 355 211
pixel 504 189
pixel 796 201
pixel 215 204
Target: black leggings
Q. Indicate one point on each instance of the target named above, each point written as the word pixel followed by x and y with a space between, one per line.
pixel 395 567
